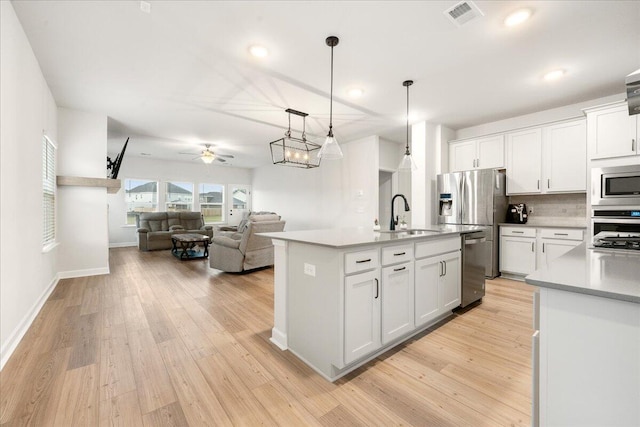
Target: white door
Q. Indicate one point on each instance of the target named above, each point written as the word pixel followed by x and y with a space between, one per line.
pixel 397 301
pixel 450 282
pixel 524 161
pixel 612 133
pixel 490 152
pixel 238 202
pixel 517 255
pixel 565 157
pixel 427 302
pixel 462 156
pixel 361 315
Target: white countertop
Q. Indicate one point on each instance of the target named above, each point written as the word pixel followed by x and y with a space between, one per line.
pixel 357 236
pixel 606 273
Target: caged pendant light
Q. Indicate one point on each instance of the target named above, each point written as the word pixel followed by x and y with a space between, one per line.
pixel 407 162
pixel 292 151
pixel 330 149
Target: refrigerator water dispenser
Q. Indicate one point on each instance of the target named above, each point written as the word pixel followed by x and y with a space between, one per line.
pixel 446 204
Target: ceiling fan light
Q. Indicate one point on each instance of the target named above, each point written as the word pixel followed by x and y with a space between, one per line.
pixel 208 157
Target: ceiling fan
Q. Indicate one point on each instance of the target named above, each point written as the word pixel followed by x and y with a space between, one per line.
pixel 208 156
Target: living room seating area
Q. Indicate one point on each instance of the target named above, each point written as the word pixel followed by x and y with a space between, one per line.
pixel 156 228
pixel 245 250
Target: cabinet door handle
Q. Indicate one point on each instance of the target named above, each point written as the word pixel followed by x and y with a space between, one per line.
pixel 477 163
pixel 532 247
pixel 518 232
pixel 560 234
pixel 441 269
pixel 548 183
pixel 538 184
pixel 360 261
pixel 474 163
pixel 400 253
pixel 633 145
pixel 543 248
pixel 445 268
pixel 400 269
pixel 377 288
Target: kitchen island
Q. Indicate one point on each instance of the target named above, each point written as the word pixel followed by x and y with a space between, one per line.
pixel 586 348
pixel 344 296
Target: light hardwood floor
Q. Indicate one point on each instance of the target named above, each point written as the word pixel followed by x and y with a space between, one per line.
pixel 163 342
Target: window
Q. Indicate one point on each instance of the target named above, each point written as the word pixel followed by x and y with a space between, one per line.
pixel 48 191
pixel 179 196
pixel 212 202
pixel 140 196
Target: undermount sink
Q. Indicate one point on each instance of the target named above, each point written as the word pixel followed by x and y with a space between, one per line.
pixel 411 231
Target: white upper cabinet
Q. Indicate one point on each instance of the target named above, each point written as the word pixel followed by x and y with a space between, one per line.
pixel 611 132
pixel 482 153
pixel 564 148
pixel 524 161
pixel 548 159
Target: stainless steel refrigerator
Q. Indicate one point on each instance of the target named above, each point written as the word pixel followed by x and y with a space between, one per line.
pixel 474 198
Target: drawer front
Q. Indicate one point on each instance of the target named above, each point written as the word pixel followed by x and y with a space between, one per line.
pixel 562 233
pixel 396 254
pixel 518 231
pixel 361 261
pixel 437 246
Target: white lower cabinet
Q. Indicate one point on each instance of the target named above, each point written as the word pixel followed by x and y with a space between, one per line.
pixel 437 286
pixel 361 315
pixel 525 249
pixel 517 250
pixel 397 301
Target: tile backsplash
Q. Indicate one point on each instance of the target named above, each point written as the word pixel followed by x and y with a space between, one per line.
pixel 547 206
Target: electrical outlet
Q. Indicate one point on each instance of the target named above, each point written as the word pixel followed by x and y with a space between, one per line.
pixel 309 269
pixel 531 210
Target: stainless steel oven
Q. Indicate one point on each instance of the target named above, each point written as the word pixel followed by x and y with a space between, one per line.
pixel 616 228
pixel 615 186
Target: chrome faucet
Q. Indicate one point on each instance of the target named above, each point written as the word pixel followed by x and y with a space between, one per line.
pixel 392 226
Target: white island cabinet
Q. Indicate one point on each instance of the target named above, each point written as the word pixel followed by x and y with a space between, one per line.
pixel 586 348
pixel 344 296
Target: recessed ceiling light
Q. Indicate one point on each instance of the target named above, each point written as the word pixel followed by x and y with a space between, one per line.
pixel 355 92
pixel 517 17
pixel 554 75
pixel 258 51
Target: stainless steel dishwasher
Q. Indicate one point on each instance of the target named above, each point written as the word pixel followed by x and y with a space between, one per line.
pixel 475 256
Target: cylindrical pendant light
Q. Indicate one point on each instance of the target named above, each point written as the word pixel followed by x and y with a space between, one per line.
pixel 330 149
pixel 407 162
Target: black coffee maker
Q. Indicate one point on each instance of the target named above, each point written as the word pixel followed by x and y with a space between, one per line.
pixel 517 213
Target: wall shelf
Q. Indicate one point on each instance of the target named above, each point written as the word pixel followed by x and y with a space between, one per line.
pixel 112 185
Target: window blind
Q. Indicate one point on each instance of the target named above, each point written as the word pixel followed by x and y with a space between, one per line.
pixel 48 191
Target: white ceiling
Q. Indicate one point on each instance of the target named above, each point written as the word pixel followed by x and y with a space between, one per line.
pixel 181 76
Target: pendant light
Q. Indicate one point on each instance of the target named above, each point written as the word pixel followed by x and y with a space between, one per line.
pixel 330 149
pixel 407 162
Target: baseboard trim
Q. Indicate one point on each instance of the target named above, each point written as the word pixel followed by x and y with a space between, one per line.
pixel 83 273
pixel 17 335
pixel 279 339
pixel 123 245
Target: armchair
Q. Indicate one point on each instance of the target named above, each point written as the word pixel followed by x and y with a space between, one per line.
pixel 245 251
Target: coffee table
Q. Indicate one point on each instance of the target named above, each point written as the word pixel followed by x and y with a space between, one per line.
pixel 184 246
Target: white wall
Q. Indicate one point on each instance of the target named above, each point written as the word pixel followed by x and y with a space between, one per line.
pixel 82 211
pixel 534 119
pixel 340 193
pixel 27 108
pixel 161 170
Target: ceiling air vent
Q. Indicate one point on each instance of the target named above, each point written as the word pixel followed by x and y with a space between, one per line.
pixel 463 12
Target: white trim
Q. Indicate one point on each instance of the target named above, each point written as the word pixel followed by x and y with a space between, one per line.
pixel 83 273
pixel 123 245
pixel 22 328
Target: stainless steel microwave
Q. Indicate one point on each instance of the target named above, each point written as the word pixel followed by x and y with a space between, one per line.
pixel 616 186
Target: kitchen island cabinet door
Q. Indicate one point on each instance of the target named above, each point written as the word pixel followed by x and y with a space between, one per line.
pixel 361 315
pixel 524 161
pixel 450 282
pixel 397 301
pixel 427 302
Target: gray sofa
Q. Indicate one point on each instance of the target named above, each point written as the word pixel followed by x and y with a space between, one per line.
pixel 156 228
pixel 239 252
